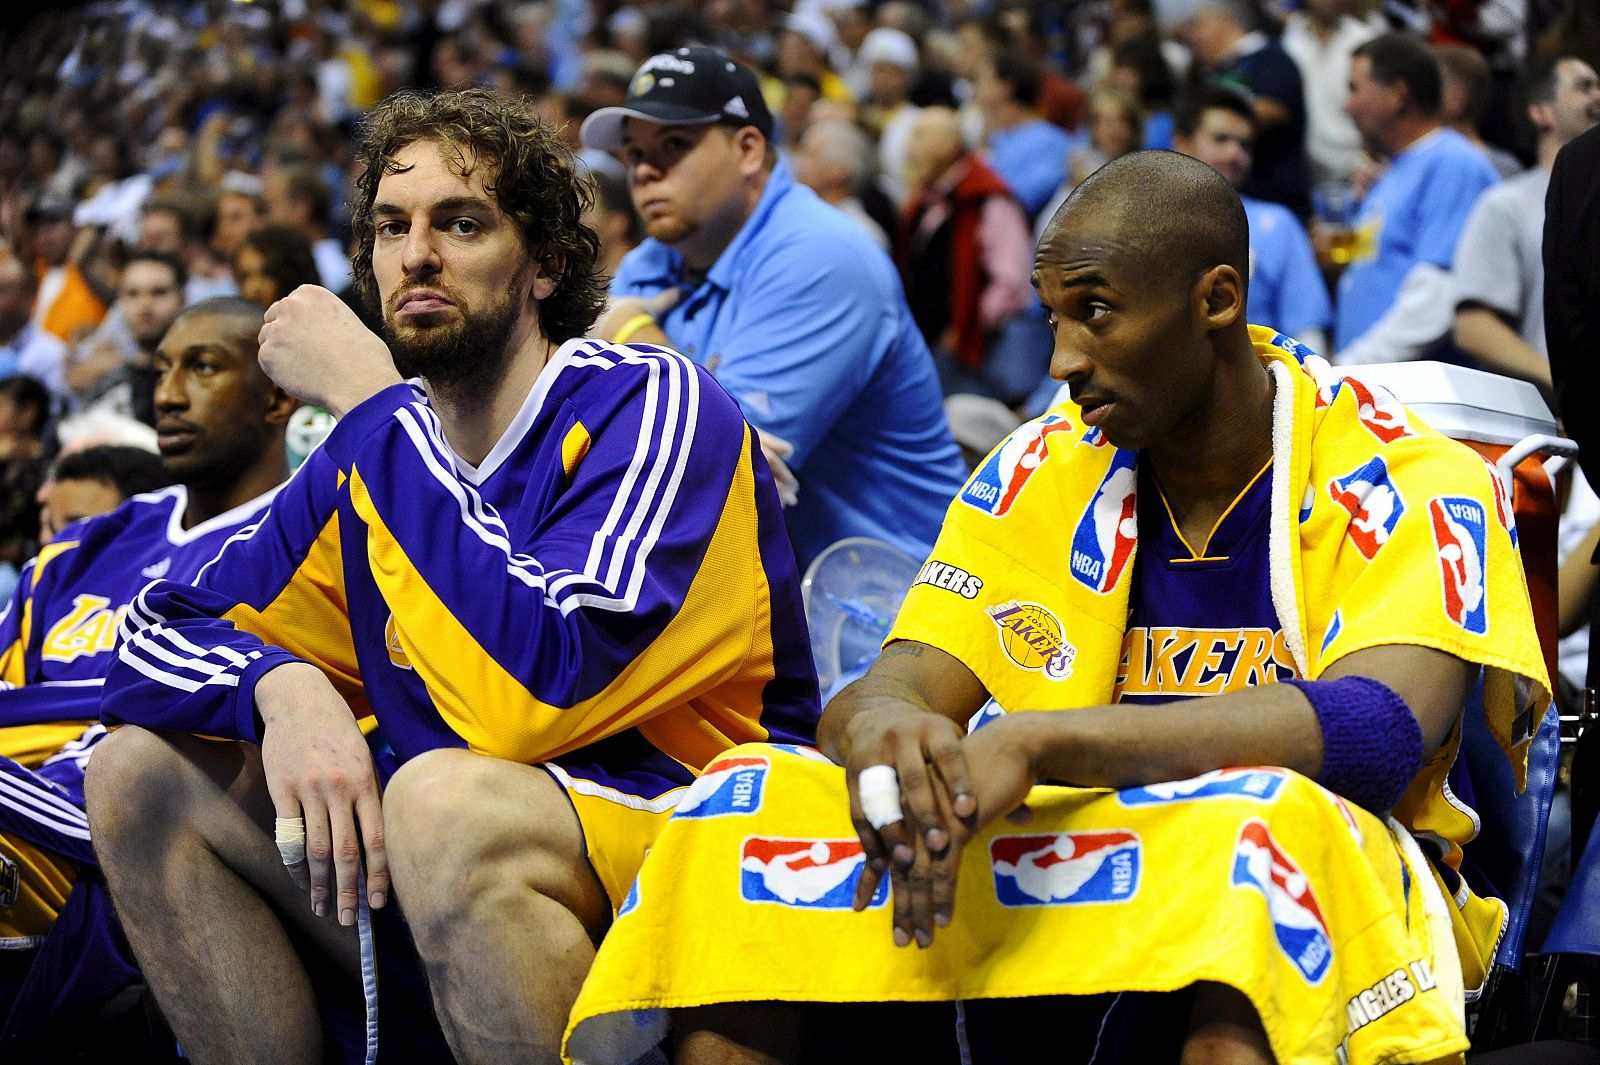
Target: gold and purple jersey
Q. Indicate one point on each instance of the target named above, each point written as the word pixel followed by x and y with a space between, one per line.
pixel 610 589
pixel 59 630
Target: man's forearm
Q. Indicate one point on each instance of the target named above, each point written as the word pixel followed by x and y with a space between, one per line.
pixel 909 677
pixel 1126 746
pixel 871 692
pixel 1481 333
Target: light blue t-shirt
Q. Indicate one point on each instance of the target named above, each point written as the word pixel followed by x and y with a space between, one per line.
pixel 1413 214
pixel 1286 288
pixel 1033 160
pixel 804 321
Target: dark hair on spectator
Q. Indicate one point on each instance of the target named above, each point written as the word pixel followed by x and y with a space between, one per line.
pixel 1143 55
pixel 180 272
pixel 286 253
pixel 1400 57
pixel 531 172
pixel 1020 73
pixel 130 470
pixel 181 209
pixel 802 78
pixel 611 195
pixel 991 27
pixel 1537 82
pixel 1467 67
pixel 528 79
pixel 305 185
pixel 28 394
pixel 1215 96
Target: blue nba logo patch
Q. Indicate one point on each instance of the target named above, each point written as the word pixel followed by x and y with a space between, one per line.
pixel 1066 868
pixel 1373 503
pixel 728 786
pixel 812 874
pixel 1460 536
pixel 1102 545
pixel 1002 477
pixel 1260 784
pixel 1297 921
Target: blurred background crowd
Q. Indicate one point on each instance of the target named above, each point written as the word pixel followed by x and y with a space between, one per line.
pixel 1393 156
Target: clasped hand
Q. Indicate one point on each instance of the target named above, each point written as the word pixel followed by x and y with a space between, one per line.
pixel 950 786
pixel 315 348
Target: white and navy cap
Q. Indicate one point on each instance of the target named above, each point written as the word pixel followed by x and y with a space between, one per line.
pixel 684 87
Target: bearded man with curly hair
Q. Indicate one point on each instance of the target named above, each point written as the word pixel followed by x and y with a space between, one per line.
pixel 552 570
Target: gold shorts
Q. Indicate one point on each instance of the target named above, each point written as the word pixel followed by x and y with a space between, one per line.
pixel 34 885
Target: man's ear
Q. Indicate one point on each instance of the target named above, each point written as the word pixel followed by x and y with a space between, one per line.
pixel 1220 293
pixel 752 149
pixel 546 276
pixel 280 406
pixel 1540 116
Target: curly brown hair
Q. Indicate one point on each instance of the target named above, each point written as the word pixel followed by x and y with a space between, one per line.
pixel 534 179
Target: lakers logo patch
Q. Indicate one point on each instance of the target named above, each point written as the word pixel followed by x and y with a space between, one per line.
pixel 90 628
pixel 1032 637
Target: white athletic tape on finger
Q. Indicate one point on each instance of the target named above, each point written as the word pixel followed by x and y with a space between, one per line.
pixel 289 833
pixel 879 789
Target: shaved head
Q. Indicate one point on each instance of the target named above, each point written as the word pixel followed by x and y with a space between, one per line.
pixel 1176 215
pixel 241 314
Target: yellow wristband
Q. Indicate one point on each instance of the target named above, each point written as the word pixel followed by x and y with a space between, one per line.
pixel 632 326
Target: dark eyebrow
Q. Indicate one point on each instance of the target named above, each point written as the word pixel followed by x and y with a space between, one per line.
pixel 1088 280
pixel 453 203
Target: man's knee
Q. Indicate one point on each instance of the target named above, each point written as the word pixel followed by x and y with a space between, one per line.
pixel 467 832
pixel 129 784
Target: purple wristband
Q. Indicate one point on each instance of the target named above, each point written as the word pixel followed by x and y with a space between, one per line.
pixel 1371 743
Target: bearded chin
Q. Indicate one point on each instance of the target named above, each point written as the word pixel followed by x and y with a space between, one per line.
pixel 458 354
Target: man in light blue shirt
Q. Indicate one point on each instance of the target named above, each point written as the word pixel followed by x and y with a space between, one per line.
pixel 1029 152
pixel 1286 290
pixel 797 313
pixel 1396 298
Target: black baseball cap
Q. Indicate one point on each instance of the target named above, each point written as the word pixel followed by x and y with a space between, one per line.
pixel 683 87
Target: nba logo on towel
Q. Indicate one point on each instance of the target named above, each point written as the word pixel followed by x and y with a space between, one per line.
pixel 1066 868
pixel 1502 501
pixel 630 903
pixel 1460 535
pixel 1261 784
pixel 1003 476
pixel 1103 543
pixel 1335 627
pixel 1382 414
pixel 1259 863
pixel 1374 504
pixel 813 874
pixel 728 786
pixel 1288 343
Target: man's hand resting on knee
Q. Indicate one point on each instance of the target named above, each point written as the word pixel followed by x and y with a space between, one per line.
pixel 916 804
pixel 318 768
